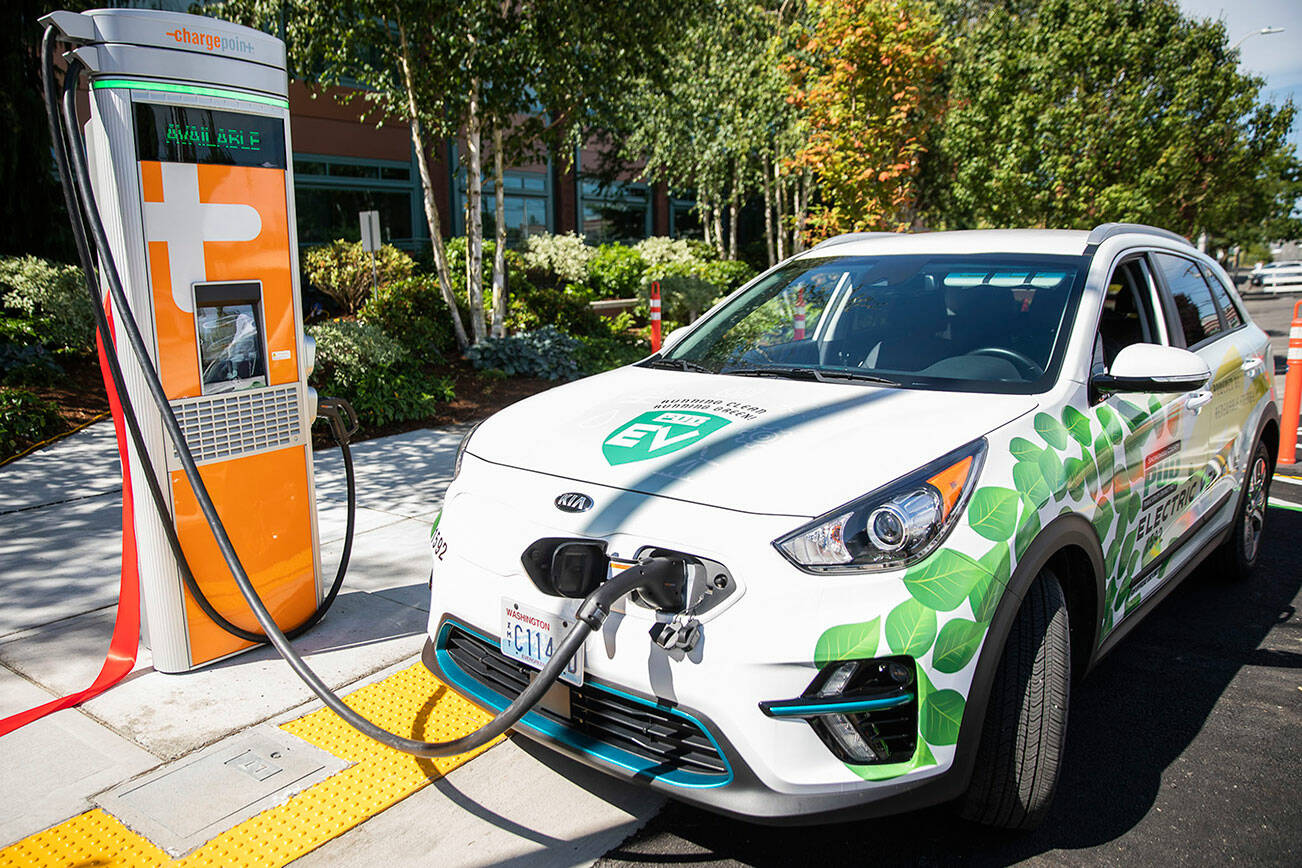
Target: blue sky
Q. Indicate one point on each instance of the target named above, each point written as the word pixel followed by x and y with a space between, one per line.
pixel 1276 58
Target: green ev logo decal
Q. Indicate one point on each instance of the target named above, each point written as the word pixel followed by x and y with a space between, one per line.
pixel 658 433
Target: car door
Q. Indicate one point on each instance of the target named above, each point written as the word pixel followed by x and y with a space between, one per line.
pixel 1137 479
pixel 1206 425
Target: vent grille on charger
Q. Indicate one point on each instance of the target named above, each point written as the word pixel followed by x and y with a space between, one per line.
pixel 225 426
pixel 669 740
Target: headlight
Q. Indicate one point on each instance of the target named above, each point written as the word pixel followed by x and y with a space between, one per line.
pixel 461 449
pixel 892 527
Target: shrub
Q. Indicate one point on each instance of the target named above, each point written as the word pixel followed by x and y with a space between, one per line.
pixel 616 271
pixel 619 347
pixel 689 288
pixel 411 311
pixel 532 308
pixel 27 365
pixel 374 372
pixel 342 270
pixel 566 256
pixel 53 296
pixel 25 418
pixel 660 250
pixel 547 353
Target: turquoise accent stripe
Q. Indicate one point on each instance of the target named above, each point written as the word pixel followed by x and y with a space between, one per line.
pixel 194 90
pixel 849 706
pixel 572 738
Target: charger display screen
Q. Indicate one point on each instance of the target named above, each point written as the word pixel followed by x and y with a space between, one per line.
pixel 232 348
pixel 185 134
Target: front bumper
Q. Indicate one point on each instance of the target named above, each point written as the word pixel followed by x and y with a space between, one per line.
pixel 757 646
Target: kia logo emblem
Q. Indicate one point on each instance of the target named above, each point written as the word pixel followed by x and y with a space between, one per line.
pixel 572 501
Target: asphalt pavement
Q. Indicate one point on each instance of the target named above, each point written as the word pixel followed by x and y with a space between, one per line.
pixel 1182 744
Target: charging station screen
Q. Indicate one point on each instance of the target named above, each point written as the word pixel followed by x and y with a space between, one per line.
pixel 184 134
pixel 228 318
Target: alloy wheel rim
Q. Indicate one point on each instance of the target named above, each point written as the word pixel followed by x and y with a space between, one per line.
pixel 1255 509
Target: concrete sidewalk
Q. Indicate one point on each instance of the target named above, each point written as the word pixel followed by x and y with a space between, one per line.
pixel 60 514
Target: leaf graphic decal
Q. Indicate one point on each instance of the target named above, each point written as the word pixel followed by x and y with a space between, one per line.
pixel 1103 520
pixel 986 594
pixel 1051 430
pixel 1030 482
pixel 1074 471
pixel 923 757
pixel 957 642
pixel 911 628
pixel 996 562
pixel 1111 425
pixel 993 512
pixel 941 715
pixel 847 642
pixel 1110 559
pixel 943 581
pixel 1023 449
pixel 1078 424
pixel 1051 468
pixel 1133 415
pixel 1027 531
pixel 1132 506
pixel 1154 405
pixel 1104 459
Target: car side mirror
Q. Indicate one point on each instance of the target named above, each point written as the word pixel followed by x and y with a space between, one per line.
pixel 1153 368
pixel 673 337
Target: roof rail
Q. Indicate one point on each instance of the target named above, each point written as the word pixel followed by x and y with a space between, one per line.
pixel 1104 231
pixel 848 237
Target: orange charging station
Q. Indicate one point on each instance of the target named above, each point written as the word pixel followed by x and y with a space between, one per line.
pixel 189 147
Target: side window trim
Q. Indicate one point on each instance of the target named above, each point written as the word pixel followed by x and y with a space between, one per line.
pixel 1170 319
pixel 1178 327
pixel 1213 281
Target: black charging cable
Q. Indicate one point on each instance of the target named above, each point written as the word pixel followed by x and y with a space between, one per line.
pixel 85 218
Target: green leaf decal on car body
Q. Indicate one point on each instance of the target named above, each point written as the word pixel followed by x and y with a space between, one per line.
pixel 1051 430
pixel 1103 520
pixel 943 581
pixel 957 642
pixel 1133 415
pixel 1027 531
pixel 941 715
pixel 847 642
pixel 1074 471
pixel 1078 424
pixel 1030 482
pixel 1023 449
pixel 993 512
pixel 1111 425
pixel 1051 467
pixel 911 628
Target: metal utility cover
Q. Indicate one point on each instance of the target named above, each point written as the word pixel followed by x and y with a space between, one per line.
pixel 187 803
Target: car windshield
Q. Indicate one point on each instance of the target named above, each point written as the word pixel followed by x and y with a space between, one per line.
pixel 988 322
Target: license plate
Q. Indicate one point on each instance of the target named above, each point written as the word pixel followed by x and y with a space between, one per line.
pixel 533 636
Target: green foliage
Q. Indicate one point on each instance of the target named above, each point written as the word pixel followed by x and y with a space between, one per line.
pixel 381 379
pixel 615 271
pixel 1069 113
pixel 25 418
pixel 342 270
pixel 546 353
pixel 688 287
pixel 661 250
pixel 565 256
pixel 53 297
pixel 27 365
pixel 411 310
pixel 848 642
pixel 597 353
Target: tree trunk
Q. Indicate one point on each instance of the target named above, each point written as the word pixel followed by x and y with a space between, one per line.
pixel 718 230
pixel 475 214
pixel 782 211
pixel 734 207
pixel 768 211
pixel 802 211
pixel 703 208
pixel 499 247
pixel 427 191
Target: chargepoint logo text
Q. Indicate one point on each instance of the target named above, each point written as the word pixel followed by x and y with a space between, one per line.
pixel 211 41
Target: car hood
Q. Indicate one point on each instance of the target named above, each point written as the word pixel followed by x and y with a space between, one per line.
pixel 760 445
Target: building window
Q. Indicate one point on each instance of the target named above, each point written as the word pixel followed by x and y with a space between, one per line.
pixel 330 191
pixel 527 204
pixel 684 219
pixel 614 211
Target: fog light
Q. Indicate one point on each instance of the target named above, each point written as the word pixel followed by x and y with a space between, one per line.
pixel 849 738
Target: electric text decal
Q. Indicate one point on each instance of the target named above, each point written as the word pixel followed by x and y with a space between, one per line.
pixel 657 433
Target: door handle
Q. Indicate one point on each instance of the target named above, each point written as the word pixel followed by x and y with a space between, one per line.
pixel 1198 399
pixel 1253 366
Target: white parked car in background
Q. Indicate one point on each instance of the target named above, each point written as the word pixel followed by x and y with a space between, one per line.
pixel 1270 275
pixel 918 484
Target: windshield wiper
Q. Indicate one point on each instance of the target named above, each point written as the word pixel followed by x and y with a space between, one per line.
pixel 677 365
pixel 802 373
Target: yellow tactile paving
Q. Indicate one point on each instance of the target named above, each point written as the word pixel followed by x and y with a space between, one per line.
pixel 411 702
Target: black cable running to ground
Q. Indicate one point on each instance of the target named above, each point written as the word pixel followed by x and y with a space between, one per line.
pixel 590 616
pixel 60 143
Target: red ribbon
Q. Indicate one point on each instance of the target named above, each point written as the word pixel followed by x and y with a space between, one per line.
pixel 121 657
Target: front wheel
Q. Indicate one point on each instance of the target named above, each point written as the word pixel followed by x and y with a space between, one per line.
pixel 1237 556
pixel 1021 745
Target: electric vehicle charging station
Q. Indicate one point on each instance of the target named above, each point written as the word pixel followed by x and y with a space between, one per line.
pixel 189 146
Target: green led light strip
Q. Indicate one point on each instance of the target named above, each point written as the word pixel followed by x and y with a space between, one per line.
pixel 131 84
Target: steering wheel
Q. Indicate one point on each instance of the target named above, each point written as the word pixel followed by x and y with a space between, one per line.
pixel 1026 366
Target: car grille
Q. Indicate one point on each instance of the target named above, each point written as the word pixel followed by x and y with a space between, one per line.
pixel 668 740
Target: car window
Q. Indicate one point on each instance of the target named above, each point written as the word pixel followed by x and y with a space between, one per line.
pixel 1193 298
pixel 973 322
pixel 1233 319
pixel 1127 316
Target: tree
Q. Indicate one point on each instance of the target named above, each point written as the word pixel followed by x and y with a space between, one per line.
pixel 1070 113
pixel 866 80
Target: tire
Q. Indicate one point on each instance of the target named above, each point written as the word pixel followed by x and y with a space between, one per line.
pixel 1018 758
pixel 1236 558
